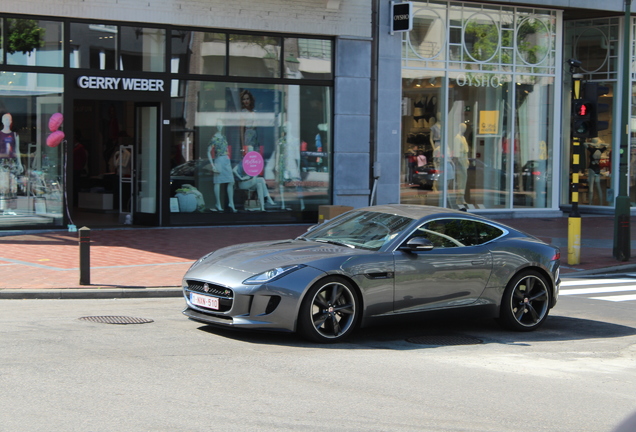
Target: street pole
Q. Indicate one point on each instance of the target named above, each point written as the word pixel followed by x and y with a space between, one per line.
pixel 622 240
pixel 574 219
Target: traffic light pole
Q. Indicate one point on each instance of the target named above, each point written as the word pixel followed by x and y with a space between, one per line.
pixel 622 239
pixel 574 219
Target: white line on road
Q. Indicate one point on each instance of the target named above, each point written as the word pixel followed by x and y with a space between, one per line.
pixel 581 282
pixel 619 298
pixel 597 290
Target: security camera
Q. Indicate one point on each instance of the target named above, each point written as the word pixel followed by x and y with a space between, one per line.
pixel 574 63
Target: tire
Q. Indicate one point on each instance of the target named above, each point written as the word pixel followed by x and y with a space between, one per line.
pixel 329 312
pixel 526 302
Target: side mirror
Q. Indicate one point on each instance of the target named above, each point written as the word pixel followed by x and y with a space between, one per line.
pixel 417 244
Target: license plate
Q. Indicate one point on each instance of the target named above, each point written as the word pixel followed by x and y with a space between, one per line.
pixel 205 301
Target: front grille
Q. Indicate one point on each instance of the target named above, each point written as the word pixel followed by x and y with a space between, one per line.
pixel 225 295
pixel 212 289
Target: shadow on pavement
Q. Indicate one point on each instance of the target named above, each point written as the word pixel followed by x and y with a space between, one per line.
pixel 428 334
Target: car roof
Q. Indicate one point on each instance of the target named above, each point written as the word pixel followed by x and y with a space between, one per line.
pixel 413 211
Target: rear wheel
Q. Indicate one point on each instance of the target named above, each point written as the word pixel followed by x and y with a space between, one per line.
pixel 329 312
pixel 526 302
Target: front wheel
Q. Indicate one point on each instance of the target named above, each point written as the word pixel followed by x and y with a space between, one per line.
pixel 329 312
pixel 526 302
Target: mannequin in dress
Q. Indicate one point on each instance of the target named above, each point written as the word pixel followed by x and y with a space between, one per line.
pixel 252 183
pixel 461 164
pixel 221 167
pixel 287 163
pixel 10 163
pixel 436 144
pixel 595 150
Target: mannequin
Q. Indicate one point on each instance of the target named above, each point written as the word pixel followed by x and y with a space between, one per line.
pixel 595 150
pixel 250 183
pixel 10 163
pixel 287 163
pixel 436 144
pixel 221 167
pixel 461 163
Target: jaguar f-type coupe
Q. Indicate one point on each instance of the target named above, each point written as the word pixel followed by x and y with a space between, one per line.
pixel 376 262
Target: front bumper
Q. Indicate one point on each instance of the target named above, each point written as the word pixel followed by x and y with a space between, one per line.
pixel 271 306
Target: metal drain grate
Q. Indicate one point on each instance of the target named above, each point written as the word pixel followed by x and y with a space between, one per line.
pixel 444 340
pixel 116 320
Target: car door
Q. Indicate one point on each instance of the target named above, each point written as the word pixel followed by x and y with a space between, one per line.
pixel 454 273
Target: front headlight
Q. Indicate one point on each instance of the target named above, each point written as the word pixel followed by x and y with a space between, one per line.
pixel 271 275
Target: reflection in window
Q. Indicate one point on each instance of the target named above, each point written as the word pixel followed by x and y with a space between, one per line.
pixel 93 46
pixel 250 148
pixel 255 56
pixel 308 58
pixel 31 168
pixel 34 42
pixel 142 49
pixel 198 52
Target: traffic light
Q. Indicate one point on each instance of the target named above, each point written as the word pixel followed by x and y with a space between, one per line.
pixel 593 91
pixel 582 118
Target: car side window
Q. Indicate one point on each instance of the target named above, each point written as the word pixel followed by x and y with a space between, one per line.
pixel 486 232
pixel 447 233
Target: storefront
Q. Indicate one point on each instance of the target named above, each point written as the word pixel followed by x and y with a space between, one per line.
pixel 162 125
pixel 479 97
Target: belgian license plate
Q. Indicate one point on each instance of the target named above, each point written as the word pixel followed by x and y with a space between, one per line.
pixel 205 301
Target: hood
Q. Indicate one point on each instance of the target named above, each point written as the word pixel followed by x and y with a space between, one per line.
pixel 254 258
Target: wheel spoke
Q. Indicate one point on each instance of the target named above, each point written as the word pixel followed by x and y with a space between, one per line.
pixel 533 313
pixel 321 300
pixel 543 295
pixel 319 319
pixel 335 325
pixel 519 313
pixel 344 309
pixel 336 292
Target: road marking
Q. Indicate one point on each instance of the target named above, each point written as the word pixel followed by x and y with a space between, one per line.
pixel 619 298
pixel 597 290
pixel 582 282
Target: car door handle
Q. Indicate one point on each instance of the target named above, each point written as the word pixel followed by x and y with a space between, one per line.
pixel 482 262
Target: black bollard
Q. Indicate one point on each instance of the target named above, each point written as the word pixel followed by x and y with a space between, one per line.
pixel 85 255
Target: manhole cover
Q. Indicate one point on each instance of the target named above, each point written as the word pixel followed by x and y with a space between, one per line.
pixel 116 320
pixel 442 340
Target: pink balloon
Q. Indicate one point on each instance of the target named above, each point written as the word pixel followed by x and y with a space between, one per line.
pixel 55 139
pixel 55 122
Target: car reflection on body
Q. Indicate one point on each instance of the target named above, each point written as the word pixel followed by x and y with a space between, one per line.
pixel 376 262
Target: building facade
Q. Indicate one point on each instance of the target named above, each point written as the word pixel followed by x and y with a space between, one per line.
pixel 205 113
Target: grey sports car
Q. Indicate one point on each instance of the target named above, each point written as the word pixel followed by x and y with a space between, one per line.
pixel 376 262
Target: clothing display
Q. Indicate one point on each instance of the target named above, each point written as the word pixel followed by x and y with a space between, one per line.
pixel 223 168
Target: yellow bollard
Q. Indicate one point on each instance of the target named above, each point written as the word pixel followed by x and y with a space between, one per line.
pixel 574 240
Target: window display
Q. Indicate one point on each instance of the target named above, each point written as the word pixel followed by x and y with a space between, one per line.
pixel 250 149
pixel 31 151
pixel 483 120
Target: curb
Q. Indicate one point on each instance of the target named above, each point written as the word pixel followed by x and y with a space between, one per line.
pixel 89 293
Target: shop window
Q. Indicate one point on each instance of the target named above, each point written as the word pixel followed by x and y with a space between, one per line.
pixel 31 149
pixel 94 46
pixel 198 52
pixel 142 49
pixel 249 150
pixel 255 56
pixel 32 42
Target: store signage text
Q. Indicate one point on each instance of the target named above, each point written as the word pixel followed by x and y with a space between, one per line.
pixel 493 81
pixel 402 14
pixel 112 83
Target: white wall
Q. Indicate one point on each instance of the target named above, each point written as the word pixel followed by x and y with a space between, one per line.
pixel 325 17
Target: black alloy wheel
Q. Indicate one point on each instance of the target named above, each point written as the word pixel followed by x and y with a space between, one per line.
pixel 526 302
pixel 329 311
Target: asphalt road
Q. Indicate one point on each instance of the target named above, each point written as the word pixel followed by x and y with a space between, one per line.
pixel 59 372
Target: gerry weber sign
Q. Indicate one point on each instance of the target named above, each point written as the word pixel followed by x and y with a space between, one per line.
pixel 128 84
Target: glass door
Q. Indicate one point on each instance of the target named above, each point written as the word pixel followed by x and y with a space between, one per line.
pixel 145 179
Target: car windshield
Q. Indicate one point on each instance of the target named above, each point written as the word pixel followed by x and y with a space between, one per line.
pixel 360 229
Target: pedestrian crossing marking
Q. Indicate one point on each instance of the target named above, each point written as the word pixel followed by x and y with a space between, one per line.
pixel 611 286
pixel 619 298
